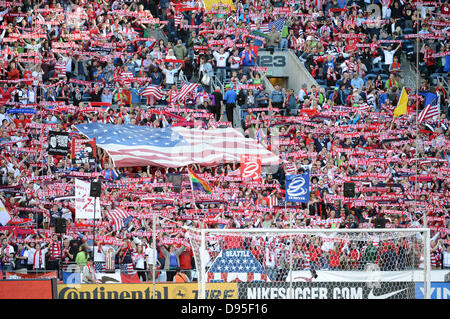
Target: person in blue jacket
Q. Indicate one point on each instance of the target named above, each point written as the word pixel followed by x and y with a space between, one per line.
pixel 248 58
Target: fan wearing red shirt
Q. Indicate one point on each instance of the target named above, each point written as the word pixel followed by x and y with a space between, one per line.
pixel 5 94
pixel 55 250
pixel 315 253
pixel 445 8
pixel 186 262
pixel 21 120
pixel 351 47
pixel 27 75
pixel 254 48
pixel 430 62
pixel 334 256
pixel 13 73
pixel 355 256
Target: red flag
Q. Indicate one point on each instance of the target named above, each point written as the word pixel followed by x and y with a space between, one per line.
pixel 130 279
pixel 250 167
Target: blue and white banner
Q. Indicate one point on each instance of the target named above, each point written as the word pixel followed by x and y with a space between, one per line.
pixel 24 110
pixel 439 290
pixel 297 188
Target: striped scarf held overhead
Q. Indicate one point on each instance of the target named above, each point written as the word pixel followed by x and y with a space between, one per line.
pixel 55 251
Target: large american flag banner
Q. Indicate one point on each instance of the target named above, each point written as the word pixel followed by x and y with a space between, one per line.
pixel 233 265
pixel 132 145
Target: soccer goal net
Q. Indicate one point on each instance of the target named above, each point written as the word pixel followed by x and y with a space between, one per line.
pixel 312 263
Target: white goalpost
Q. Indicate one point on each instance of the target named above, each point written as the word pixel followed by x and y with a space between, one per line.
pixel 312 263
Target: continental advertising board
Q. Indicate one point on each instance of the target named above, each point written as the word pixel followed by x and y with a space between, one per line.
pixel 145 291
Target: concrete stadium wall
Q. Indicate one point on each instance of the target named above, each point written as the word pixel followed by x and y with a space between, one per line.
pixel 286 64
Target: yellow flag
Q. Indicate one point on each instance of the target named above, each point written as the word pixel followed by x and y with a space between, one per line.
pixel 209 4
pixel 402 104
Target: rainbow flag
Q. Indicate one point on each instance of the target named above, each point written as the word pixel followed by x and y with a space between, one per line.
pixel 199 183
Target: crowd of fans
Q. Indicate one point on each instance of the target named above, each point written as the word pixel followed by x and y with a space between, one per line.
pixel 68 62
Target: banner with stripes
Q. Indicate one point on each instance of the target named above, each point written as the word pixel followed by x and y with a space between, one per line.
pixel 117 217
pixel 431 110
pixel 186 89
pixel 153 91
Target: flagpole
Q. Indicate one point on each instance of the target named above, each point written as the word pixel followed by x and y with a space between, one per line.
pixel 192 188
pixel 424 217
pixel 154 253
pixel 417 124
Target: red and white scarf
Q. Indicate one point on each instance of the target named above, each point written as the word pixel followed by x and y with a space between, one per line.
pixel 37 252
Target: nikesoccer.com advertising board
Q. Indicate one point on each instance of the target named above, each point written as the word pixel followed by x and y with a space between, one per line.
pixel 327 290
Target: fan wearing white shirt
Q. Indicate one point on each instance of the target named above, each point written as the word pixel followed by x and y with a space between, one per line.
pixel 270 257
pixel 6 255
pixel 389 56
pixel 33 46
pixel 446 257
pixel 39 258
pixel 170 73
pixel 139 260
pixel 152 260
pixel 221 63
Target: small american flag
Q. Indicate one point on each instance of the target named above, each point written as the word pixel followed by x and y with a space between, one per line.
pixel 186 89
pixel 117 216
pixel 389 108
pixel 431 110
pixel 126 77
pixel 259 135
pixel 154 91
pixel 110 264
pixel 279 24
pixel 364 107
pixel 99 266
pixel 236 172
pixel 127 269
